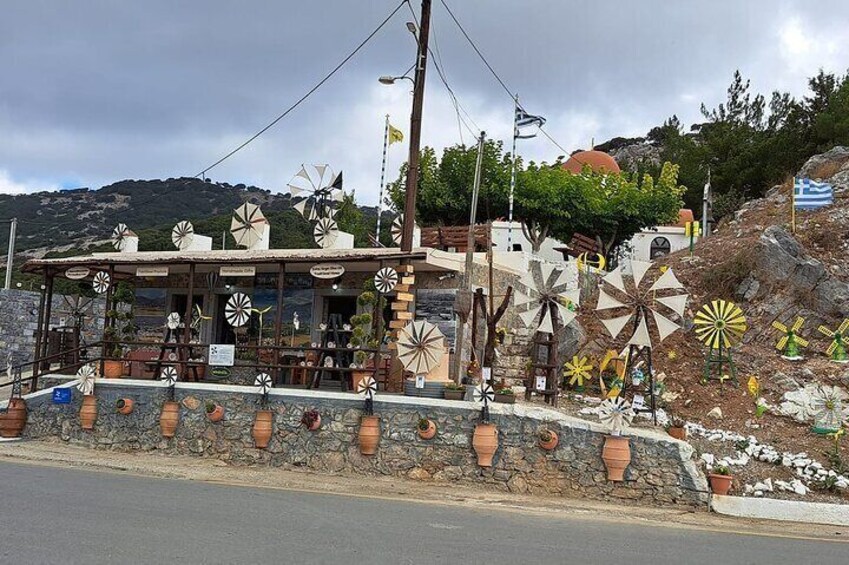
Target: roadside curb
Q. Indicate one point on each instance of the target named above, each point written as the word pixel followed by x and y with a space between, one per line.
pixel 781 510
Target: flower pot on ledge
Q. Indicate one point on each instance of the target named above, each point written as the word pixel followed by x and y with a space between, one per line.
pixel 720 484
pixel 113 369
pixel 426 429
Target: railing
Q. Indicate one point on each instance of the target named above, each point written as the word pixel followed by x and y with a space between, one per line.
pixel 38 365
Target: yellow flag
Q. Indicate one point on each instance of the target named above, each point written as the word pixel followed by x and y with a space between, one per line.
pixel 395 135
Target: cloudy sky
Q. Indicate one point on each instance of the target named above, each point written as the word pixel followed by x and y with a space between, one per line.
pixel 97 91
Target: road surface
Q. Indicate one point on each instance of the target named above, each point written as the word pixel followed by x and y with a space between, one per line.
pixel 56 516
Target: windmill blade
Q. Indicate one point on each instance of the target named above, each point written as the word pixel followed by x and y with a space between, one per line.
pixel 336 184
pixel 566 315
pixel 665 326
pixel 843 327
pixel 831 347
pixel 797 325
pixel 802 341
pixel 607 302
pixel 677 303
pixel 529 316
pixel 779 326
pixel 781 343
pixel 614 278
pixel 638 270
pixel 641 336
pixel 825 331
pixel 574 296
pixel 614 325
pixel 545 323
pixel 294 190
pixel 665 281
pixel 301 207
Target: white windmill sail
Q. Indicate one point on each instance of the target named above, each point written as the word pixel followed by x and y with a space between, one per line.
pixel 614 278
pixel 665 326
pixel 638 270
pixel 676 303
pixel 606 302
pixel 614 325
pixel 641 336
pixel 666 280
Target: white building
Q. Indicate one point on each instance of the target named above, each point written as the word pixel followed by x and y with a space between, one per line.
pixel 652 243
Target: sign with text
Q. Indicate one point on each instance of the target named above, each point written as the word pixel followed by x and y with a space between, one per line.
pixel 237 271
pixel 327 270
pixel 151 271
pixel 221 354
pixel 62 395
pixel 77 273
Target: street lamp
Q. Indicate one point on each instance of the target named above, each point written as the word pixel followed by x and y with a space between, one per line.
pixel 386 79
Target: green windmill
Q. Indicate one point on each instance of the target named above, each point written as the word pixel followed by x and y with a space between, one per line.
pixel 839 342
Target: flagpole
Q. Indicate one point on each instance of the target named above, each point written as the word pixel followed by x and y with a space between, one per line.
pixel 382 177
pixel 793 206
pixel 512 177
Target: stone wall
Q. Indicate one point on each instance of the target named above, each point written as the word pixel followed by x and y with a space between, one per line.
pixel 19 321
pixel 661 472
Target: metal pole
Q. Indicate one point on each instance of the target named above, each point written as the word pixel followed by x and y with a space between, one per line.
pixel 512 177
pixel 706 213
pixel 416 131
pixel 382 177
pixel 13 225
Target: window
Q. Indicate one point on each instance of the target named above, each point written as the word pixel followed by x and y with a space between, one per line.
pixel 517 247
pixel 659 247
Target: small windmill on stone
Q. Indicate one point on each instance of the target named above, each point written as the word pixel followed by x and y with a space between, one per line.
pixel 648 310
pixel 546 304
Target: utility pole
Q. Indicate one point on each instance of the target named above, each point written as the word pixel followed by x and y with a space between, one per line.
pixel 13 225
pixel 416 130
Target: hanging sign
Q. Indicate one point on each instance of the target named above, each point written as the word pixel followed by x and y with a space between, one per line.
pixel 541 382
pixel 62 395
pixel 221 355
pixel 221 372
pixel 151 271
pixel 327 270
pixel 420 381
pixel 237 271
pixel 486 374
pixel 77 273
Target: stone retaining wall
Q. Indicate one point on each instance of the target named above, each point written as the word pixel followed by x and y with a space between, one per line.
pixel 661 472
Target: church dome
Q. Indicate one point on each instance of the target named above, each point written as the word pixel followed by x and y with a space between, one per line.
pixel 599 161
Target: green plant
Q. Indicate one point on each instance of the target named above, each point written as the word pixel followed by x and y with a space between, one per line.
pixel 210 406
pixel 505 390
pixel 423 424
pixel 362 331
pixel 120 320
pixel 454 386
pixel 546 435
pixel 721 470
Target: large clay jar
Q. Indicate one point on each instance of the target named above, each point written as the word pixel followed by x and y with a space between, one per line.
pixel 485 442
pixel 616 455
pixel 369 434
pixel 262 428
pixel 720 484
pixel 13 421
pixel 113 369
pixel 88 412
pixel 169 418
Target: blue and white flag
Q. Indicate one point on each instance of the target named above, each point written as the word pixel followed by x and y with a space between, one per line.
pixel 810 195
pixel 523 119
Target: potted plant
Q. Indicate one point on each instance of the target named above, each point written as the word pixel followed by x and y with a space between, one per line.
pixel 264 420
pixel 426 428
pixel 121 327
pixel 485 439
pixel 170 415
pixel 616 454
pixel 311 419
pixel 369 434
pixel 677 428
pixel 88 410
pixel 454 391
pixel 362 334
pixel 124 406
pixel 214 411
pixel 720 480
pixel 548 439
pixel 505 395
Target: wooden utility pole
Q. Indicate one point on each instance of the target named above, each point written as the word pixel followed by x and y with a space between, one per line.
pixel 416 130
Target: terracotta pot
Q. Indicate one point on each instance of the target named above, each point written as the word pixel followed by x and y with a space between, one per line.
pixel 263 426
pixel 124 405
pixel 550 444
pixel 720 484
pixel 430 432
pixel 113 369
pixel 485 442
pixel 13 421
pixel 616 455
pixel 369 434
pixel 169 418
pixel 454 394
pixel 88 412
pixel 315 425
pixel 217 414
pixel 678 433
pixel 505 398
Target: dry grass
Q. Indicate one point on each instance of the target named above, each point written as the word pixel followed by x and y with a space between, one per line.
pixel 828 170
pixel 724 277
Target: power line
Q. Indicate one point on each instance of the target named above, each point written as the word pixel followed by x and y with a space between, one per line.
pixel 307 95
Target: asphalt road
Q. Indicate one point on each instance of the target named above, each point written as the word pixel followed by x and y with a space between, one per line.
pixel 53 515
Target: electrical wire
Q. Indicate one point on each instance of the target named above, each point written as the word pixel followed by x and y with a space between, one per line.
pixel 307 95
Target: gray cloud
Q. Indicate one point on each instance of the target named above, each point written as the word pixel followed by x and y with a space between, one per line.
pixel 94 92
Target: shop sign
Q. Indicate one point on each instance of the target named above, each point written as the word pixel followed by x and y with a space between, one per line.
pixel 151 271
pixel 221 372
pixel 222 355
pixel 327 270
pixel 77 273
pixel 237 271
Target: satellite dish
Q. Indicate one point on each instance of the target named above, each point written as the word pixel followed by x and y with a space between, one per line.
pixel 119 236
pixel 182 235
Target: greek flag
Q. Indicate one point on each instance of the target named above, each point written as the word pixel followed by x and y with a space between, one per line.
pixel 523 119
pixel 810 195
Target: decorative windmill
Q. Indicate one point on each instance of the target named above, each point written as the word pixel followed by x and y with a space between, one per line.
pixel 322 188
pixel 264 383
pixel 237 311
pixel 827 408
pixel 385 280
pixel 720 325
pixel 616 414
pixel 169 377
pixel 260 312
pixel 120 236
pixel 248 225
pixel 198 318
pixel 643 308
pixel 421 347
pixel 182 235
pixel 791 341
pixel 100 282
pixel 367 388
pixel 580 371
pixel 326 232
pixel 839 342
pixel 86 374
pixel 397 229
pixel 546 304
pixel 485 394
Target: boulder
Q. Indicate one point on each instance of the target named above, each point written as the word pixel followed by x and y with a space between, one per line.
pixel 838 155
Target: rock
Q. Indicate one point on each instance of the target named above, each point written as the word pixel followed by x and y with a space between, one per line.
pixel 191 403
pixel 518 484
pixel 837 155
pixel 715 413
pixel 784 383
pixel 798 487
pixel 418 474
pixel 708 458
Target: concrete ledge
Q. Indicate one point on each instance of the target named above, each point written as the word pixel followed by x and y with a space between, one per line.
pixel 782 510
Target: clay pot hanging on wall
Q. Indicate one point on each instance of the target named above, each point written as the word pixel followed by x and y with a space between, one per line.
pixel 485 442
pixel 13 421
pixel 369 434
pixel 617 456
pixel 263 426
pixel 548 440
pixel 169 418
pixel 88 412
pixel 124 405
pixel 214 412
pixel 426 429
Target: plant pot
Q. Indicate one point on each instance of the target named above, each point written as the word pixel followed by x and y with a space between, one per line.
pixel 169 418
pixel 369 435
pixel 124 405
pixel 616 455
pixel 454 394
pixel 485 442
pixel 88 412
pixel 113 369
pixel 315 425
pixel 505 398
pixel 12 422
pixel 720 484
pixel 678 433
pixel 217 414
pixel 550 444
pixel 429 433
pixel 263 426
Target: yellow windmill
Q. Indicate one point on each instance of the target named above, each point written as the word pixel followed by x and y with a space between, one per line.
pixel 580 370
pixel 790 342
pixel 839 342
pixel 720 325
pixel 260 312
pixel 617 364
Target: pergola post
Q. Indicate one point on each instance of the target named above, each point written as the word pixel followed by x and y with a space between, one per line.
pixel 44 323
pixel 187 323
pixel 278 319
pixel 39 328
pixel 108 321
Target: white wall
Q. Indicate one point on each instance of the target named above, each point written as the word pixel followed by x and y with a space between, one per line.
pixel 547 249
pixel 640 244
